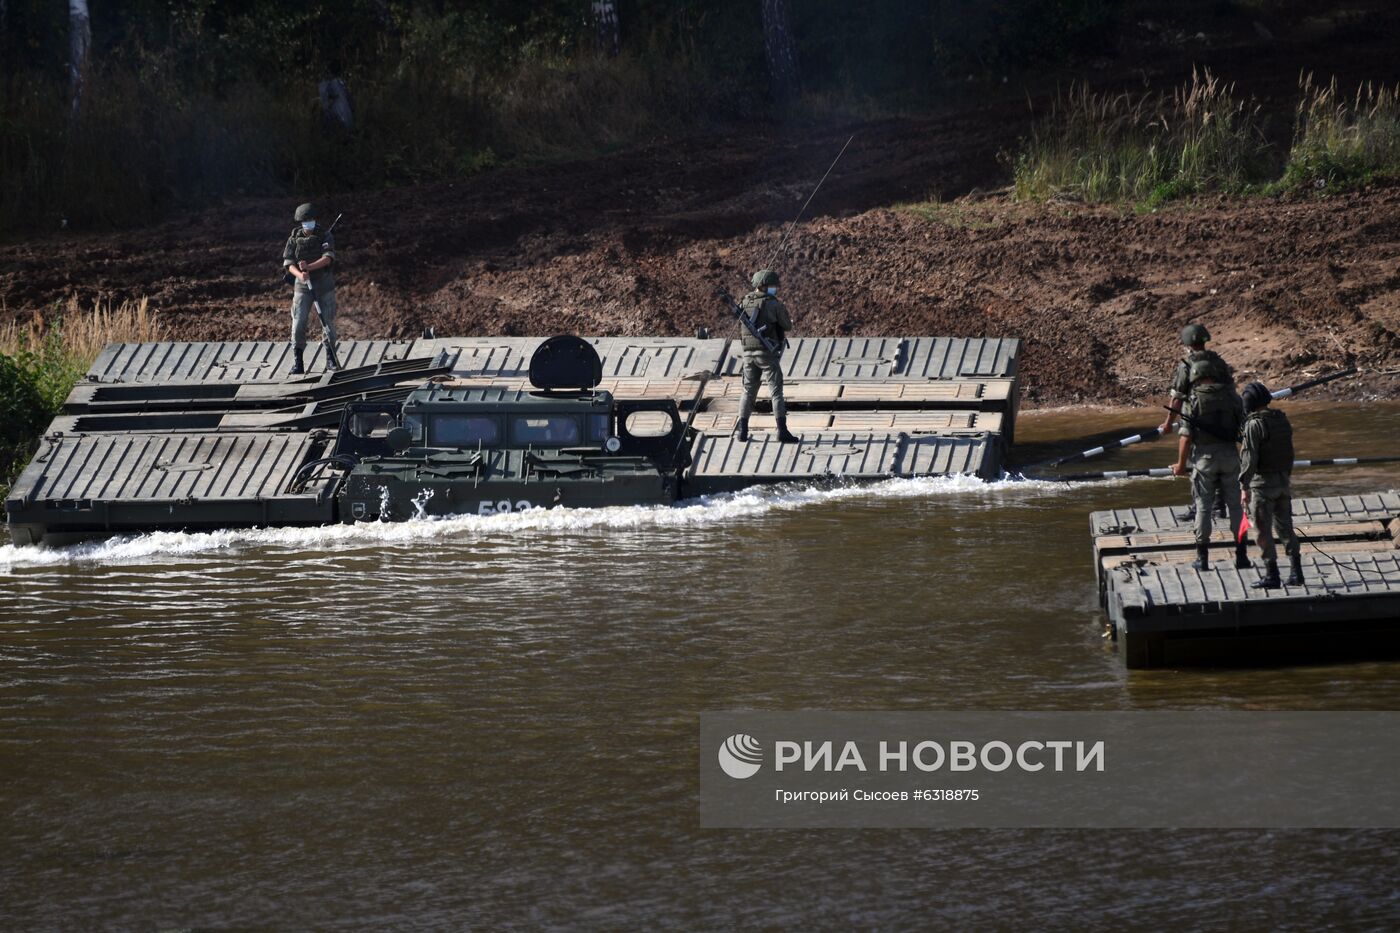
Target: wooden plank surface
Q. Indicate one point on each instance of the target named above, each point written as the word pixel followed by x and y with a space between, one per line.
pixel 1177 589
pixel 1378 505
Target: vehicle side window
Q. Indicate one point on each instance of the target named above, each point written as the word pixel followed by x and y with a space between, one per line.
pixel 546 430
pixel 463 431
pixel 371 423
pixel 598 428
pixel 414 424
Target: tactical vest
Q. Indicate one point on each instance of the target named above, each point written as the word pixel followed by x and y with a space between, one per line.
pixel 308 248
pixel 1275 454
pixel 1220 370
pixel 756 306
pixel 1216 415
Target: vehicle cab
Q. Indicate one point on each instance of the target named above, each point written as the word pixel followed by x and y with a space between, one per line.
pixel 460 447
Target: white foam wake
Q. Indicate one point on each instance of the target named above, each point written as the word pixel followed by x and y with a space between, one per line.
pixel 713 510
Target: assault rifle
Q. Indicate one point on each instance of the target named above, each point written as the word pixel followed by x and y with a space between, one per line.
pixel 1199 425
pixel 768 343
pixel 325 244
pixel 332 361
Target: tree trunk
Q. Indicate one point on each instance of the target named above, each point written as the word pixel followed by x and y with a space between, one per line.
pixel 606 23
pixel 780 50
pixel 79 41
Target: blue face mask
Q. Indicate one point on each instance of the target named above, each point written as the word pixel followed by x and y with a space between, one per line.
pixel 308 225
pixel 772 290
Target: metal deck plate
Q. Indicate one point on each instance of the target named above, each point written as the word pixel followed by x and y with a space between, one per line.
pixel 724 462
pixel 876 359
pixel 959 358
pixel 163 467
pixel 931 422
pixel 235 361
pixel 654 358
pixel 507 359
pixel 835 454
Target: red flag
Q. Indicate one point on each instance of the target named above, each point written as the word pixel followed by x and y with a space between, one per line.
pixel 1244 528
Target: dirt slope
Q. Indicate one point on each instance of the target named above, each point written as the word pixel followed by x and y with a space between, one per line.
pixel 644 241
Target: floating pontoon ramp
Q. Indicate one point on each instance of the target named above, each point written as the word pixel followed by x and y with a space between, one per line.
pixel 201 435
pixel 1164 612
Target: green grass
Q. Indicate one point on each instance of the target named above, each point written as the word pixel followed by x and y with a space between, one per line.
pixel 1342 143
pixel 43 358
pixel 959 215
pixel 1148 149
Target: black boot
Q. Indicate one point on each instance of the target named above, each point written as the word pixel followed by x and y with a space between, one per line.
pixel 1242 557
pixel 1202 561
pixel 784 435
pixel 298 365
pixel 1295 573
pixel 1270 579
pixel 743 429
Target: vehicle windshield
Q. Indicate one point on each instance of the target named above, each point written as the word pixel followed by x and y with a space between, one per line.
pixel 457 430
pixel 546 430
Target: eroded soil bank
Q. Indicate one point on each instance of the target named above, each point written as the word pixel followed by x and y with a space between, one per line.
pixel 645 241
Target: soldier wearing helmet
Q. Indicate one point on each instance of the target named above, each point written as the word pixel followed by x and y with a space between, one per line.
pixel 1266 468
pixel 770 318
pixel 1194 338
pixel 308 257
pixel 1211 421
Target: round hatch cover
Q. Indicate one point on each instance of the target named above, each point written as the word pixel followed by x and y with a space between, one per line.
pixel 565 362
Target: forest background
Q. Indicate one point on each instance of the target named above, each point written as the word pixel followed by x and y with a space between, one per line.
pixel 114 114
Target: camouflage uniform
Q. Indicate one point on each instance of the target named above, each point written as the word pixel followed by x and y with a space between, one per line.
pixel 1212 414
pixel 771 315
pixel 309 247
pixel 1267 467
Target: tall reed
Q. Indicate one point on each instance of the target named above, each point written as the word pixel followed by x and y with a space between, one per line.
pixel 1144 147
pixel 1340 141
pixel 44 356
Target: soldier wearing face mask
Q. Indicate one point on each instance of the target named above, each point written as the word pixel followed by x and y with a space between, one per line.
pixel 308 257
pixel 770 318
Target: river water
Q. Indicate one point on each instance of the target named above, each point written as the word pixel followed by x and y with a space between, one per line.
pixel 487 721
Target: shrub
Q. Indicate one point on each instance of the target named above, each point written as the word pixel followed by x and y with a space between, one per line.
pixel 42 359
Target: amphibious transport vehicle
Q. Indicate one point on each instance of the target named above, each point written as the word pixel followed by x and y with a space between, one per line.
pixel 202 436
pixel 452 449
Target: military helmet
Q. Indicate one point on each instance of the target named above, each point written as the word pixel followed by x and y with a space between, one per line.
pixel 1193 334
pixel 1201 369
pixel 1255 396
pixel 304 213
pixel 764 278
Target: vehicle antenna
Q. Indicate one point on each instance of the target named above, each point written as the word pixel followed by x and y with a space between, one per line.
pixel 777 253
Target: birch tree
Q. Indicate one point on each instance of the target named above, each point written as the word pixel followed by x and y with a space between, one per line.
pixel 79 41
pixel 780 50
